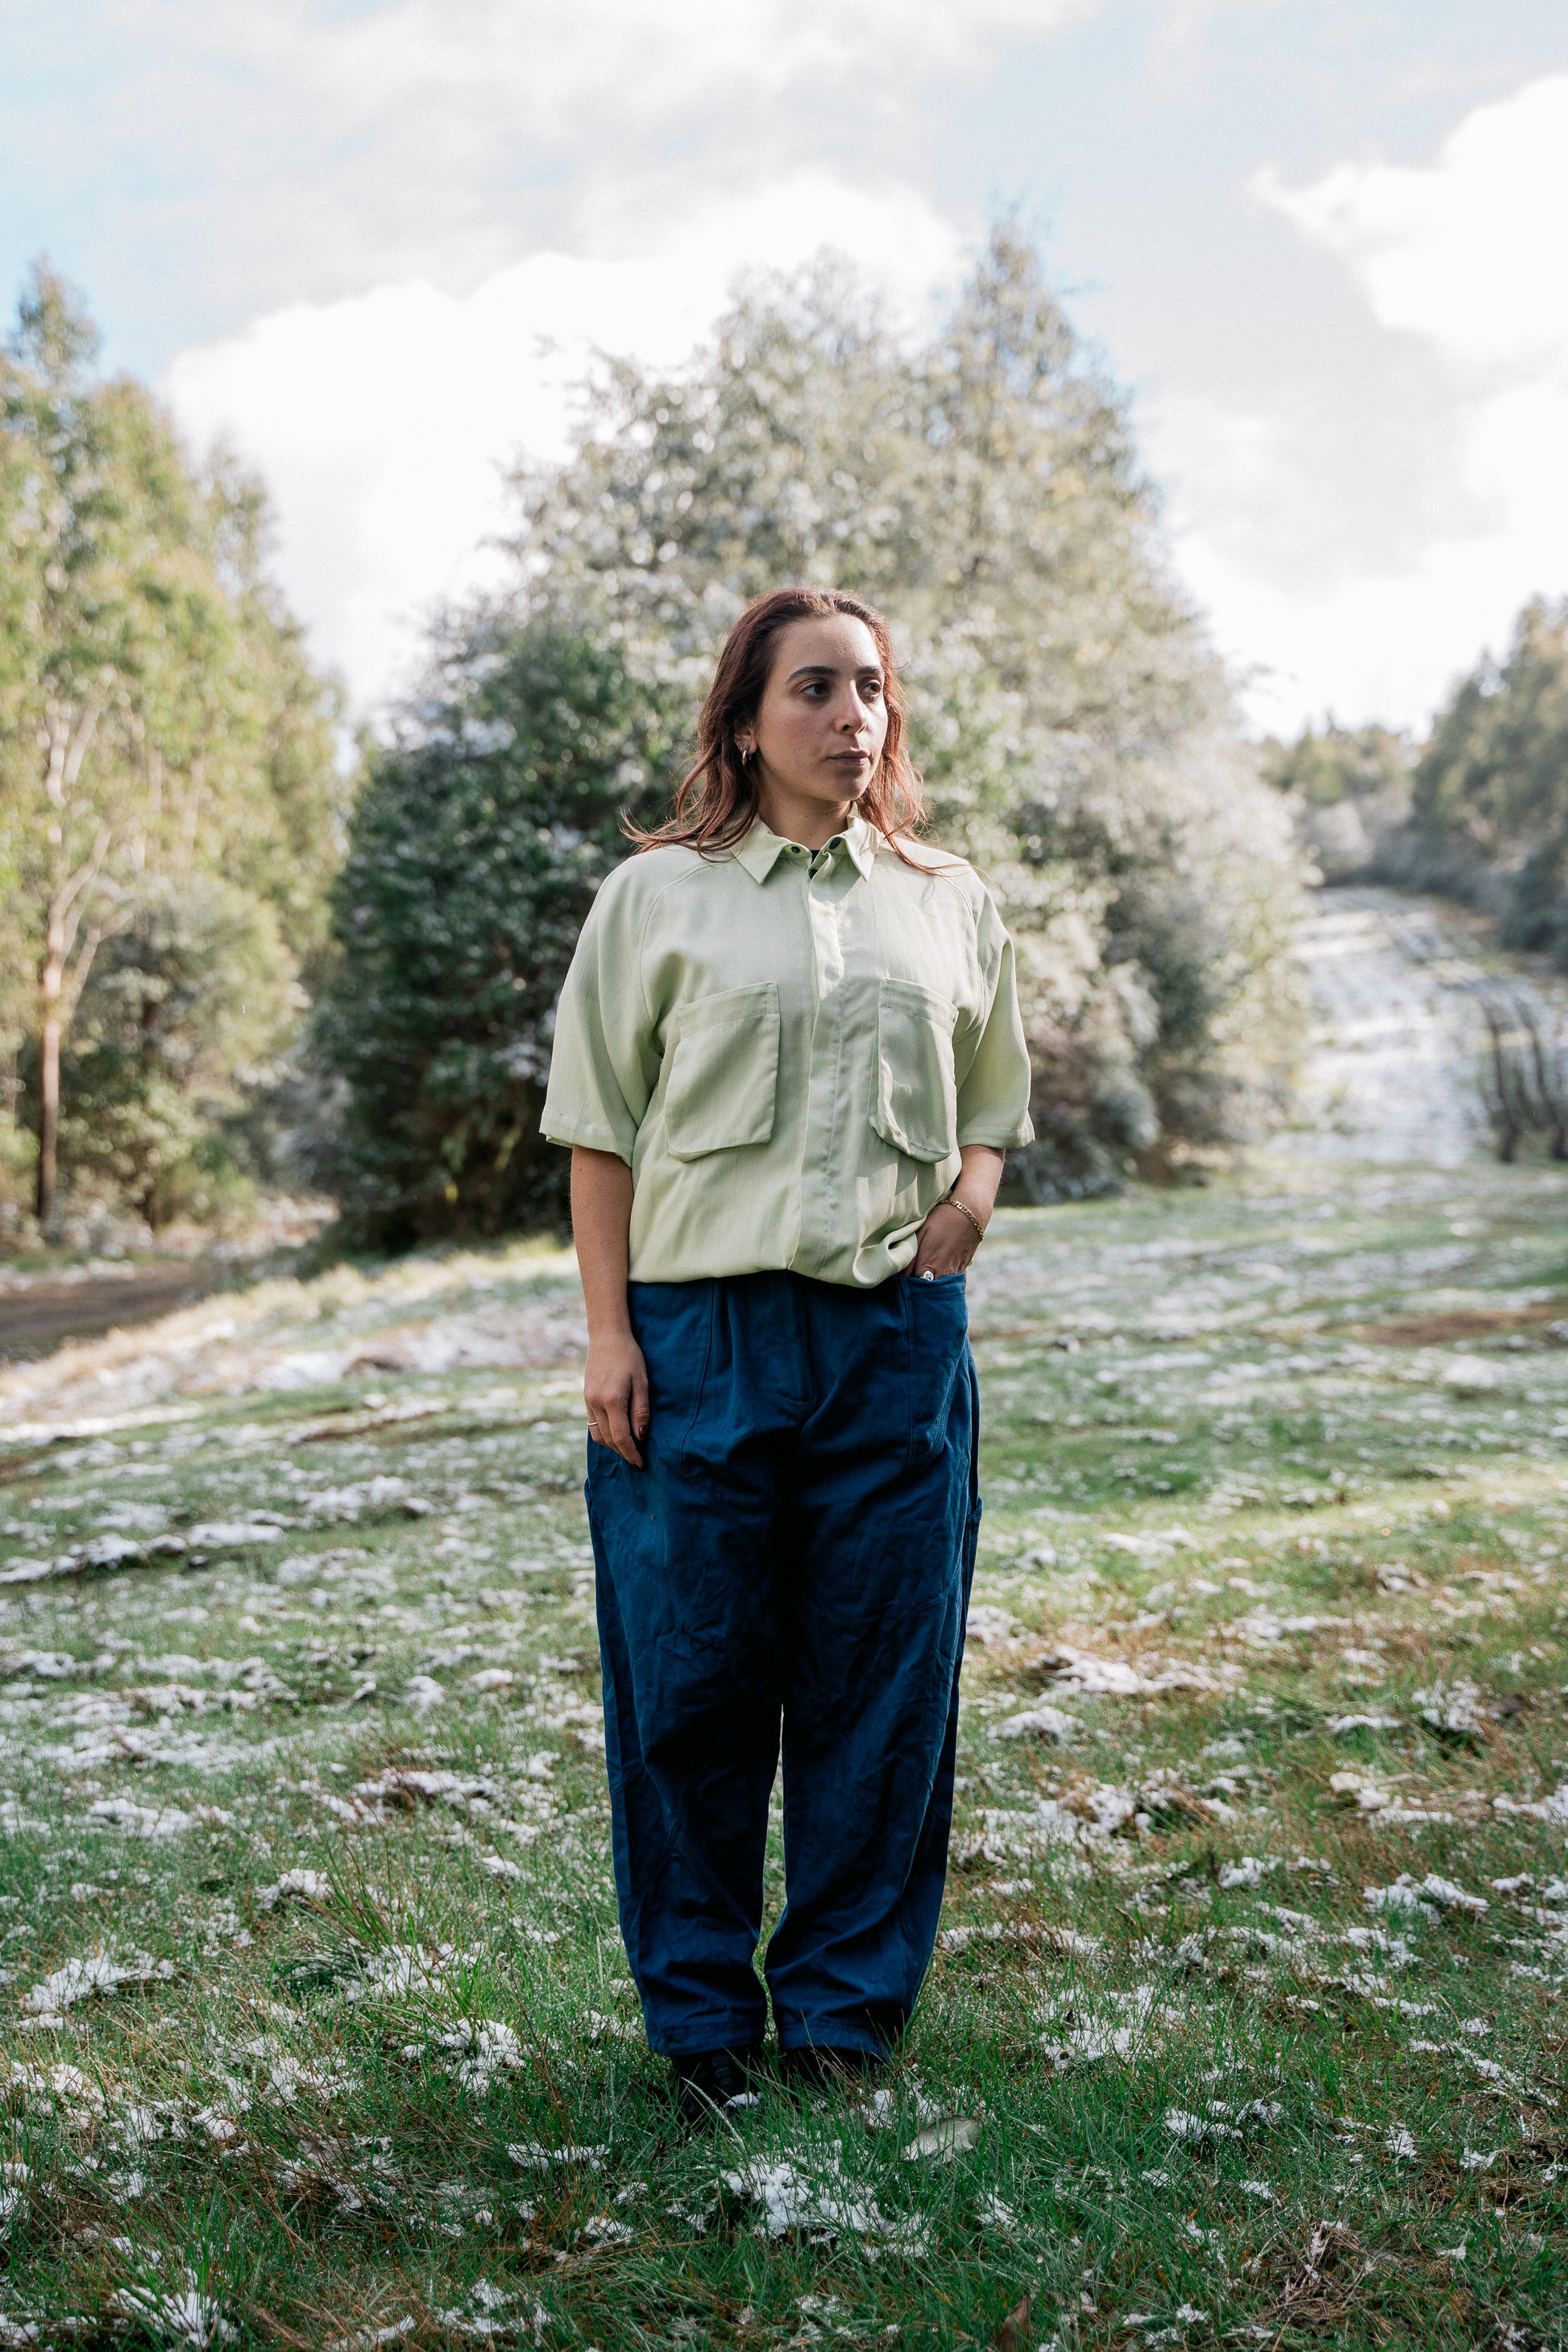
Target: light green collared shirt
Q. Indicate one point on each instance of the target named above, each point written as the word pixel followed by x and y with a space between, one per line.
pixel 788 1048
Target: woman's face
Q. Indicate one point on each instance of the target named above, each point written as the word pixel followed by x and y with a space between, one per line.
pixel 823 719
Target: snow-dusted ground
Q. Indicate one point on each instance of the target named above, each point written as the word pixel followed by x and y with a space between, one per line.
pixel 1389 1076
pixel 514 1310
pixel 1390 1071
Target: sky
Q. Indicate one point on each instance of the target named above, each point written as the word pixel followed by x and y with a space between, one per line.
pixel 372 243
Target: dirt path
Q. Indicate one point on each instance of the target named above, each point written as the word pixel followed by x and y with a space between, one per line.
pixel 38 1312
pixel 1390 1067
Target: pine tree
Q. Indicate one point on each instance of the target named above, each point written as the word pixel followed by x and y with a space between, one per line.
pixel 1491 784
pixel 481 838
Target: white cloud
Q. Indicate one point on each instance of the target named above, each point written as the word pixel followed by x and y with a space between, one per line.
pixel 1360 522
pixel 1471 251
pixel 418 195
pixel 1469 254
pixel 381 422
pixel 327 151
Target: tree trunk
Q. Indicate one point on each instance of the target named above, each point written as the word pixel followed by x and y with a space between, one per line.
pixel 57 1002
pixel 47 1118
pixel 51 984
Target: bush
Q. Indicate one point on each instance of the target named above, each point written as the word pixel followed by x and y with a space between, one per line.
pixel 185 1008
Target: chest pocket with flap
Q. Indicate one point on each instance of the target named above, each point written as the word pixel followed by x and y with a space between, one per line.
pixel 724 1077
pixel 915 1106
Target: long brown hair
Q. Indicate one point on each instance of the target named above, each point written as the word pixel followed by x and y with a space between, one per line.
pixel 717 799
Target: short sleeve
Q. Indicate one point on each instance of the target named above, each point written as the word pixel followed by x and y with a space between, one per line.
pixel 994 1092
pixel 604 1061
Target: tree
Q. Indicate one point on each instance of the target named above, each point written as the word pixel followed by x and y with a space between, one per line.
pixel 1491 784
pixel 1327 765
pixel 1349 793
pixel 1076 729
pixel 156 713
pixel 479 839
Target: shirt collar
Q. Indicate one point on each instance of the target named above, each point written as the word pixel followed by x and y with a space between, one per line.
pixel 860 840
pixel 760 848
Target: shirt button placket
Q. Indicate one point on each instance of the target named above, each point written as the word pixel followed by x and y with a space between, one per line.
pixel 820 1214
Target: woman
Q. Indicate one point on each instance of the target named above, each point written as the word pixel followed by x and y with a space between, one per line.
pixel 788 1060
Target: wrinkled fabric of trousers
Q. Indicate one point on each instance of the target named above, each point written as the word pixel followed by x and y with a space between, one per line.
pixel 790 1567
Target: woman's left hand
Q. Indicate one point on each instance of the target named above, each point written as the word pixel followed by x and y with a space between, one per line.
pixel 945 1242
pixel 948 1240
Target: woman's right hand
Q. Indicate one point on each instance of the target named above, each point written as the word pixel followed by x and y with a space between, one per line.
pixel 614 1390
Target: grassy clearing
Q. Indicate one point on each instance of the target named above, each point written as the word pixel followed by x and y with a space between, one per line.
pixel 1247 2020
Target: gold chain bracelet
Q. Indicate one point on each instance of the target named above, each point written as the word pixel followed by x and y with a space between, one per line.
pixel 952 1200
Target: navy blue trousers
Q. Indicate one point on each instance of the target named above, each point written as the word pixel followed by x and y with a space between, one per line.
pixel 795 1558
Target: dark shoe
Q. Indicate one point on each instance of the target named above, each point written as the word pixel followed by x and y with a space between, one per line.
pixel 816 2068
pixel 711 2081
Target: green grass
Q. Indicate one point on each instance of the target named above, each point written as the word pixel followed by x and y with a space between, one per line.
pixel 1276 1454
